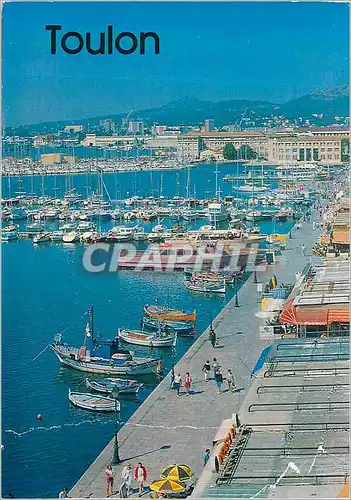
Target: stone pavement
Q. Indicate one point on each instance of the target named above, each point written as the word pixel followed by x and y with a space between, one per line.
pixel 169 429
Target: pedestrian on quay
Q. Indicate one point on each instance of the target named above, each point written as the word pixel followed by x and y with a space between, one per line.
pixel 215 366
pixel 187 383
pixel 206 369
pixel 140 475
pixel 219 380
pixel 126 476
pixel 213 337
pixel 62 494
pixel 177 383
pixel 230 380
pixel 172 377
pixel 109 477
pixel 207 456
pixel 313 225
pixel 303 248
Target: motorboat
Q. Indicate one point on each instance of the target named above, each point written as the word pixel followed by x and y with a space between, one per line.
pixel 70 237
pixel 56 236
pixel 9 236
pixel 42 238
pixel 217 213
pixel 106 385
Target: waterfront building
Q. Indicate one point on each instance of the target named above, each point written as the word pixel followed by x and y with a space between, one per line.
pixel 50 158
pixel 158 129
pixel 211 155
pixel 300 148
pixel 188 147
pixel 136 127
pixel 103 141
pixel 108 126
pixel 161 141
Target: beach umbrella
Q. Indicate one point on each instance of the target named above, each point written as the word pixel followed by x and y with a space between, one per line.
pixel 167 486
pixel 177 472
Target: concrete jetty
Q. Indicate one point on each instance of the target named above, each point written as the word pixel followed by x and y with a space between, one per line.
pixel 168 428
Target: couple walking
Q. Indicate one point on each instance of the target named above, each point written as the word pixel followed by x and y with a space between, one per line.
pixel 140 476
pixel 177 383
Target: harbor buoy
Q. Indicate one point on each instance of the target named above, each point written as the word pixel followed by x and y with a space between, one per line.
pixel 39 417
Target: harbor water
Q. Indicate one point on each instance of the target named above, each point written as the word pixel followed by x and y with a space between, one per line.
pixel 47 291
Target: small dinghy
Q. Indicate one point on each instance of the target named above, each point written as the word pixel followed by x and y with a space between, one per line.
pixel 155 325
pixel 147 339
pixel 106 385
pixel 92 402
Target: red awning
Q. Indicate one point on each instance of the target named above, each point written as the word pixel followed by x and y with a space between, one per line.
pixel 288 313
pixel 316 315
pixel 338 316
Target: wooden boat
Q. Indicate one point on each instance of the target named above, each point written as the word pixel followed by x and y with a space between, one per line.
pixel 163 312
pixel 104 357
pixel 205 286
pixel 147 339
pixel 92 402
pixel 228 278
pixel 42 238
pixel 181 327
pixel 106 385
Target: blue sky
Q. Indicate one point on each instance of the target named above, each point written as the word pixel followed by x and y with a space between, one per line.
pixel 215 51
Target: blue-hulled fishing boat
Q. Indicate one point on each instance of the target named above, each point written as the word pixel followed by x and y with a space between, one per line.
pixel 106 385
pixel 181 327
pixel 103 357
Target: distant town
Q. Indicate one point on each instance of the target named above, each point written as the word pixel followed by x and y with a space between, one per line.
pixel 126 143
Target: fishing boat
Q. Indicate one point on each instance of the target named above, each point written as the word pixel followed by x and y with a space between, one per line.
pixel 205 286
pixel 93 402
pixel 181 327
pixel 103 357
pixel 163 312
pixel 106 385
pixel 84 227
pixel 70 237
pixel 35 228
pixel 139 234
pixel 10 229
pixel 42 238
pixel 159 339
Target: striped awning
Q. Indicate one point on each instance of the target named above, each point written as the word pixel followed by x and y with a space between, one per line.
pixel 287 316
pixel 338 316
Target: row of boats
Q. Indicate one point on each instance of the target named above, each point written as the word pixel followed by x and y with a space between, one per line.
pixel 108 359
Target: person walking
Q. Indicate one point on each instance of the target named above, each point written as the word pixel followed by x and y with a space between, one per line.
pixel 187 383
pixel 207 456
pixel 140 475
pixel 206 369
pixel 63 493
pixel 219 380
pixel 303 248
pixel 127 476
pixel 230 380
pixel 177 383
pixel 215 367
pixel 213 337
pixel 109 476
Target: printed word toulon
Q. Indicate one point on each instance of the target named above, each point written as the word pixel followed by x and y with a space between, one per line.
pixel 107 42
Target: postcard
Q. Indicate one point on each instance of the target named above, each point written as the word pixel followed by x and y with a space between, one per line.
pixel 175 249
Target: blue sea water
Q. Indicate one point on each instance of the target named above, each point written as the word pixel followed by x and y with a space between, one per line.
pixel 45 291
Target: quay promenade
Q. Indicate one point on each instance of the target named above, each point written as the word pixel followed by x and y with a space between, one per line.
pixel 167 428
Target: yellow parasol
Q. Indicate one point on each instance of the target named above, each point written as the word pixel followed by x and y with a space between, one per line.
pixel 167 486
pixel 177 472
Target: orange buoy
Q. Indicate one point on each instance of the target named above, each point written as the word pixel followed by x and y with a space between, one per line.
pixel 39 417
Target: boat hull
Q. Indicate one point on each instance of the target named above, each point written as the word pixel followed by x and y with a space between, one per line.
pixel 93 403
pixel 169 314
pixel 142 368
pixel 144 339
pixel 131 388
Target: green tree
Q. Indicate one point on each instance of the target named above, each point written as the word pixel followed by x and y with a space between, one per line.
pixel 229 152
pixel 345 150
pixel 246 153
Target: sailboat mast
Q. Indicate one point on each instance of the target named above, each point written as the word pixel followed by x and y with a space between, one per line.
pixel 91 317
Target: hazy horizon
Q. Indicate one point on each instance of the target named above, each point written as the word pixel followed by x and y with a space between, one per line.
pixel 275 52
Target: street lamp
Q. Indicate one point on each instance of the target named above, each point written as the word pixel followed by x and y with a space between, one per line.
pixel 116 459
